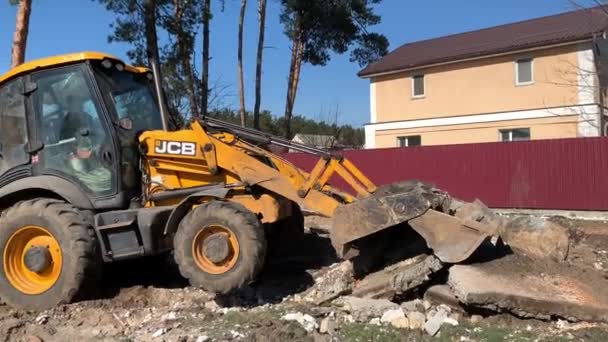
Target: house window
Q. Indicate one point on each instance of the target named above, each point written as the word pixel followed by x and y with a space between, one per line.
pixel 410 141
pixel 524 71
pixel 515 134
pixel 418 86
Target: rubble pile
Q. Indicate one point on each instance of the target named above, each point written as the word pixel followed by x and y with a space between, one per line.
pixel 516 280
pixel 524 272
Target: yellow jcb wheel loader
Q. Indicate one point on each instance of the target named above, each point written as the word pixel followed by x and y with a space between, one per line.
pixel 89 174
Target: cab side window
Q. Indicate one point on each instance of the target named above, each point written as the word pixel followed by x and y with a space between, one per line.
pixel 70 125
pixel 13 126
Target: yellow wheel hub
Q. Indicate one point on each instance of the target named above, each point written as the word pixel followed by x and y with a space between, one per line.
pixel 32 260
pixel 215 249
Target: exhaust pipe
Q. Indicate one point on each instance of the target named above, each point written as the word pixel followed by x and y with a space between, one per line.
pixel 160 94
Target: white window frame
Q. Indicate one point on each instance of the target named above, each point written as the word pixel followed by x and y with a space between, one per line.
pixel 414 96
pixel 510 131
pixel 407 140
pixel 532 81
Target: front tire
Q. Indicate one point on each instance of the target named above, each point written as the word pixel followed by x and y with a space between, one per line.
pixel 220 246
pixel 49 254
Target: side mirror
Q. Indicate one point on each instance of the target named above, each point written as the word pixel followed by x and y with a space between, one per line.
pixel 126 124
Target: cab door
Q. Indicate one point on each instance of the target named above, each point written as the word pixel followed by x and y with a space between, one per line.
pixel 77 144
pixel 13 130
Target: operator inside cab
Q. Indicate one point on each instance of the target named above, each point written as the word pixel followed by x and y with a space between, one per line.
pixel 85 159
pixel 71 125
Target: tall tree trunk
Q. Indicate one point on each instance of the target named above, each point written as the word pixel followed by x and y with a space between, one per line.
pixel 297 52
pixel 258 69
pixel 151 36
pixel 205 76
pixel 21 32
pixel 184 52
pixel 240 61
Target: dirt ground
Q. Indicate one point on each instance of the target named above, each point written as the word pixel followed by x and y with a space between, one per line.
pixel 146 300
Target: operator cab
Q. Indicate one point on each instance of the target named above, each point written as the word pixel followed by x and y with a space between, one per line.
pixel 77 117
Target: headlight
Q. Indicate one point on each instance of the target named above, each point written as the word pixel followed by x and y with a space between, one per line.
pixel 106 63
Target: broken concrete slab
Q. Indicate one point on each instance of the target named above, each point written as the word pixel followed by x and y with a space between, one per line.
pixel 532 289
pixel 392 315
pixel 337 281
pixel 306 321
pixel 433 324
pixel 401 323
pixel 413 305
pixel 417 319
pixel 398 278
pixel 443 294
pixel 365 308
pixel 537 238
pixel 327 326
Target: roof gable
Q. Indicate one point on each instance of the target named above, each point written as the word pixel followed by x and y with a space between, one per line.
pixel 562 28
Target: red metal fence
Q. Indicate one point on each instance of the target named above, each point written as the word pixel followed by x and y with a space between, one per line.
pixel 568 174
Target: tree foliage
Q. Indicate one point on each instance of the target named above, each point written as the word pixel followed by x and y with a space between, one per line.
pixel 346 136
pixel 318 28
pixel 176 19
pixel 334 26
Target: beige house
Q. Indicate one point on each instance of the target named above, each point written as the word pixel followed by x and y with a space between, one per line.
pixel 536 79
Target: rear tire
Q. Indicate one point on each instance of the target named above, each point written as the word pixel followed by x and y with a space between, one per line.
pixel 74 264
pixel 242 246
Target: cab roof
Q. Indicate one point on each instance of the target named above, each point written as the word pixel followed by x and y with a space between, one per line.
pixel 49 62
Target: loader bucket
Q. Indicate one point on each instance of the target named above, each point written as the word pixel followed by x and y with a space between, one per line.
pixel 420 205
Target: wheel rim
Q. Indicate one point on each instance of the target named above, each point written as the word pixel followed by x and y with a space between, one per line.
pixel 215 264
pixel 18 273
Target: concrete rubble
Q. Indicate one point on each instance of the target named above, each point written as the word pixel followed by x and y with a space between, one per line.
pixel 435 321
pixel 417 295
pixel 416 319
pixel 337 281
pixel 537 238
pixel 533 289
pixel 365 308
pixel 327 326
pixel 306 321
pixel 392 315
pixel 443 294
pixel 399 278
pixel 528 289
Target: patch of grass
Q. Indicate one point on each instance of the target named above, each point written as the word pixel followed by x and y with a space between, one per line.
pixel 484 334
pixel 357 332
pixel 232 318
pixel 592 334
pixel 499 334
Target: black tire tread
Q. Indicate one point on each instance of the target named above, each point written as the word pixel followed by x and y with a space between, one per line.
pixel 251 238
pixel 81 244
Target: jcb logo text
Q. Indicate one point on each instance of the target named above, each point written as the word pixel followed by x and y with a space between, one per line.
pixel 175 148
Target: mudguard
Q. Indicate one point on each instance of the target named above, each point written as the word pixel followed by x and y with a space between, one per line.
pixel 185 205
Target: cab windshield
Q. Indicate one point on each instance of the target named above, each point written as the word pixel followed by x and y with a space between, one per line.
pixel 130 96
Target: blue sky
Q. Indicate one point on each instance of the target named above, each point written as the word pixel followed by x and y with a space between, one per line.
pixel 61 26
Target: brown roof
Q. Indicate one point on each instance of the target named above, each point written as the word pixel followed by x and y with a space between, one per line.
pixel 555 29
